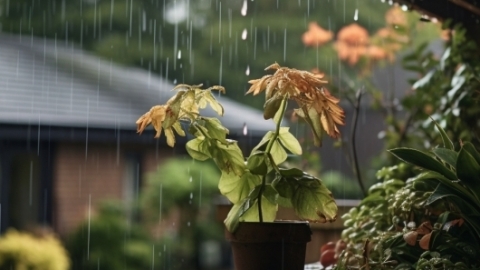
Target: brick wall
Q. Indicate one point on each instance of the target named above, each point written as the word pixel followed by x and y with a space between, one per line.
pixel 95 173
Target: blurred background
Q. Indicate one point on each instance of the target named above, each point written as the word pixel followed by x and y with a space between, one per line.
pixel 76 75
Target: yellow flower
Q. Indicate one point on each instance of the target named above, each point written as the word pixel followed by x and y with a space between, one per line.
pixel 317 106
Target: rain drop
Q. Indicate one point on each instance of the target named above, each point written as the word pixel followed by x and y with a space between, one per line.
pixel 191 179
pixel 179 54
pixel 404 8
pixel 191 195
pixel 247 72
pixel 244 8
pixel 245 129
pixel 355 17
pixel 188 224
pixel 244 34
pixel 175 81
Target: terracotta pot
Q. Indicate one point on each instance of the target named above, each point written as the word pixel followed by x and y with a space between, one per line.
pixel 270 245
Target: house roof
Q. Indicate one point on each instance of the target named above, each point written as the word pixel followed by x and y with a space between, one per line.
pixel 44 82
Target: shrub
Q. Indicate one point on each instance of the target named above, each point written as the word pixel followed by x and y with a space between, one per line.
pixel 22 251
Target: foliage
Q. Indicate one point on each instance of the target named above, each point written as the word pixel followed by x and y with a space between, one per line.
pixel 446 90
pixel 183 188
pixel 25 251
pixel 179 183
pixel 257 184
pixel 109 240
pixel 428 222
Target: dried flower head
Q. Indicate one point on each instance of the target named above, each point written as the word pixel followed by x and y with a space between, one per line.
pixel 316 105
pixel 316 35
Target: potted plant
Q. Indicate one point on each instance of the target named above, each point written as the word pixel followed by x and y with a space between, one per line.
pixel 258 184
pixel 429 221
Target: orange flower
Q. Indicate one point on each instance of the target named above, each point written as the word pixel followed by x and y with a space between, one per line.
pixel 396 16
pixel 316 35
pixel 376 53
pixel 316 103
pixel 353 35
pixel 351 43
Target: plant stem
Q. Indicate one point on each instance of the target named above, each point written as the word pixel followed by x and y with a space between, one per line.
pixel 281 110
pixel 353 142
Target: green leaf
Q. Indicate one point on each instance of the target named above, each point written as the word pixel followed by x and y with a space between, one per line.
pixel 292 172
pixel 313 120
pixel 178 128
pixel 313 201
pixel 197 150
pixel 447 143
pixel 278 153
pixel 215 129
pixel 424 80
pixel 447 155
pixel 266 138
pixel 468 171
pixel 270 194
pixel 235 187
pixel 233 217
pixel 285 186
pixel 269 211
pixel 422 159
pixel 289 141
pixel 228 157
pixel 207 97
pixel 271 106
pixel 468 146
pixel 257 163
pixel 455 187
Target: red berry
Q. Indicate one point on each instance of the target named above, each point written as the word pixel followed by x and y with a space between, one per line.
pixel 328 257
pixel 327 246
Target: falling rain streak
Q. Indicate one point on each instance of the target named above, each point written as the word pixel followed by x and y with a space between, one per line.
pixel 243 11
